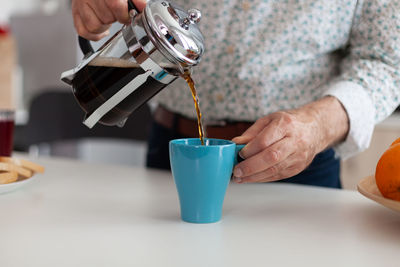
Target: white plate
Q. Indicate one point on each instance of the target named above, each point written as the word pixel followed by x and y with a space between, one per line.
pixel 5 188
pixel 368 188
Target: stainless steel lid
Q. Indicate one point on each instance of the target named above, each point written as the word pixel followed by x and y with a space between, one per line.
pixel 175 31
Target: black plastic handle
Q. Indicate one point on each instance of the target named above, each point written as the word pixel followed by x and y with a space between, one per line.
pixel 131 6
pixel 85 45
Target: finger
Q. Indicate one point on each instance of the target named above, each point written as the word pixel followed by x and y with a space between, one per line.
pixel 270 134
pixel 252 131
pixel 90 20
pixel 286 172
pixel 285 169
pixel 272 172
pixel 140 4
pixel 265 159
pixel 103 13
pixel 120 10
pixel 82 31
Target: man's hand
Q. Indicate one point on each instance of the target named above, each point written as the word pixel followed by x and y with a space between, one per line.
pixel 283 144
pixel 93 18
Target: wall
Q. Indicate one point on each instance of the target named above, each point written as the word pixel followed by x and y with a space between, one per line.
pixel 364 164
pixel 46 45
pixel 23 7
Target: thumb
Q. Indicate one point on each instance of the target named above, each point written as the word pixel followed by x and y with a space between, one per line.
pixel 243 139
pixel 252 131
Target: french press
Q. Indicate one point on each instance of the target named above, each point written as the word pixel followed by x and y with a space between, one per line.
pixel 159 45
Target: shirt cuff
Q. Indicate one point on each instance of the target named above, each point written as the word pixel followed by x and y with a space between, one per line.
pixel 361 113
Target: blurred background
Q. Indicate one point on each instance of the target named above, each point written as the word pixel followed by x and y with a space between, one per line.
pixel 49 121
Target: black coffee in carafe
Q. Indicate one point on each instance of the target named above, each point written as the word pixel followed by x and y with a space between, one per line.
pixel 102 78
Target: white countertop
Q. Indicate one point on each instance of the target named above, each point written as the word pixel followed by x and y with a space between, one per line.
pixel 79 214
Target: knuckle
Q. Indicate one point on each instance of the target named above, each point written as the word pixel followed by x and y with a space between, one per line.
pixel 301 141
pixel 275 155
pixel 264 143
pixel 108 19
pixel 112 4
pixel 81 30
pixel 245 169
pixel 280 131
pixel 287 119
pixel 296 169
pixel 303 157
pixel 273 170
pixel 92 26
pixel 293 168
pixel 275 178
pixel 281 176
pixel 272 156
pixel 283 123
pixel 115 5
pixel 263 120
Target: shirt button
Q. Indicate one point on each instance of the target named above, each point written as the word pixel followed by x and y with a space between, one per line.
pixel 230 49
pixel 219 97
pixel 246 6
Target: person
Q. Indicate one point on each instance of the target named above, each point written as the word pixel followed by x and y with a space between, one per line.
pixel 301 83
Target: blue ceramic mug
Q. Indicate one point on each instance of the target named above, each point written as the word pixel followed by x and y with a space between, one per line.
pixel 201 174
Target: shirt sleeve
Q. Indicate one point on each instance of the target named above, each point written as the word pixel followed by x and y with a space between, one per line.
pixel 369 82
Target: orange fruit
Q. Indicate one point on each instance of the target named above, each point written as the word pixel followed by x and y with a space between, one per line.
pixel 397 141
pixel 387 173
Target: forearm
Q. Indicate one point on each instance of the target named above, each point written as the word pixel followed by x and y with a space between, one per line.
pixel 369 75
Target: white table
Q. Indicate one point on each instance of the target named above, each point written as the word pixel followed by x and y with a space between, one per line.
pixel 79 214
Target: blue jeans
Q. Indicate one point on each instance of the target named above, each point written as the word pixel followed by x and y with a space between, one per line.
pixel 323 171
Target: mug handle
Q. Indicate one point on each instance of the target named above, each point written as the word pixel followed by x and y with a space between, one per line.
pixel 85 45
pixel 238 159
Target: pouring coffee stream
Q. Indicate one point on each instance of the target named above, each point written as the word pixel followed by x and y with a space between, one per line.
pixel 190 82
pixel 161 44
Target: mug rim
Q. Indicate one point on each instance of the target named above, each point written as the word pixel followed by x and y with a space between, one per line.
pixel 177 142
